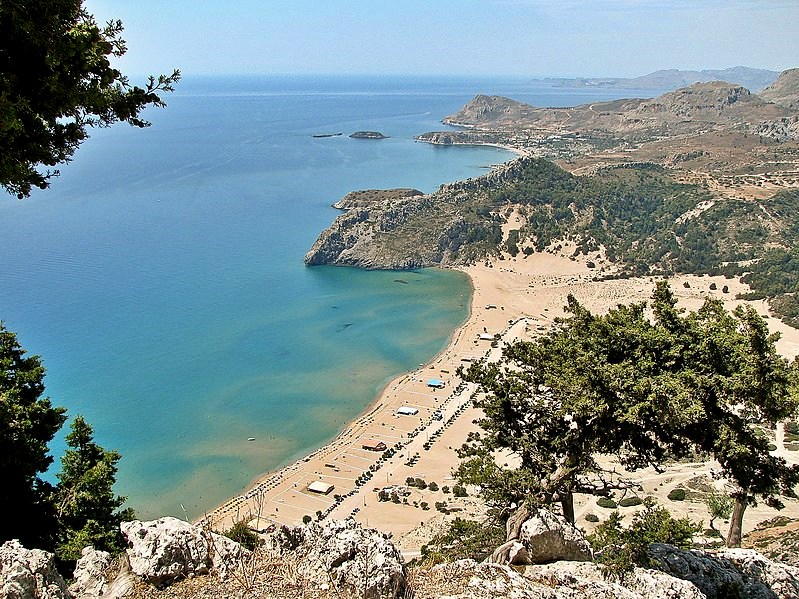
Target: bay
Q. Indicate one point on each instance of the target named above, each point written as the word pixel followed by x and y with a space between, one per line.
pixel 161 277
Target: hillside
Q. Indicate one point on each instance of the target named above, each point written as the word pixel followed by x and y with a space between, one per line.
pixel 754 79
pixel 784 91
pixel 699 107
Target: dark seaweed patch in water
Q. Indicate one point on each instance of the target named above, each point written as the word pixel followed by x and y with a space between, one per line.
pixel 401 281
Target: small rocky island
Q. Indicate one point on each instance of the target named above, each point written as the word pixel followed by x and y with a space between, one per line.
pixel 368 135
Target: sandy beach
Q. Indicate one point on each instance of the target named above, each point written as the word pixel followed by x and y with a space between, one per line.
pixel 514 298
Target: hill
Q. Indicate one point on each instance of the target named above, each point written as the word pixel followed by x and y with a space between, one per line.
pixel 691 109
pixel 754 79
pixel 784 91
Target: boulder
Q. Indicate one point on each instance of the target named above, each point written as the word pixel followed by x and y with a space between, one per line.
pixel 585 579
pixel 757 570
pixel 29 574
pixel 729 573
pixel 549 537
pixel 89 579
pixel 359 561
pixel 168 549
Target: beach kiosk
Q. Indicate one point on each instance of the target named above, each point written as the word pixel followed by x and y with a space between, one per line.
pixel 435 383
pixel 486 337
pixel 373 445
pixel 407 411
pixel 320 487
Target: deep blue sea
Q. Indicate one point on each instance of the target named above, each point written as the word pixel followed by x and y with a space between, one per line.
pixel 161 278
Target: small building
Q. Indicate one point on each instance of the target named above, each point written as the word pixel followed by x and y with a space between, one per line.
pixel 435 383
pixel 320 487
pixel 374 445
pixel 486 337
pixel 407 411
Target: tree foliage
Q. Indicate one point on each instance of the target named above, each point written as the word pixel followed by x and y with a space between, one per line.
pixel 82 508
pixel 28 423
pixel 619 549
pixel 643 388
pixel 56 81
pixel 87 509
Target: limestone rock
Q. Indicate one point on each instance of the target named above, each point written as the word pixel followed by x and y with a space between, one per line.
pixel 549 537
pixel 729 573
pixel 585 579
pixel 167 549
pixel 783 580
pixel 89 576
pixel 360 561
pixel 29 574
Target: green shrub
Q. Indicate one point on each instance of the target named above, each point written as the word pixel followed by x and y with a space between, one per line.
pixel 606 502
pixel 245 536
pixel 630 501
pixel 459 491
pixel 306 519
pixel 619 550
pixel 676 494
pixel 433 486
pixel 591 518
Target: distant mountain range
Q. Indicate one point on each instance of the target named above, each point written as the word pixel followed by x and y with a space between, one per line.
pixel 752 79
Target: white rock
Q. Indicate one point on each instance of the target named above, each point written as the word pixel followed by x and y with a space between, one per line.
pixel 168 549
pixel 549 537
pixel 357 560
pixel 89 577
pixel 29 574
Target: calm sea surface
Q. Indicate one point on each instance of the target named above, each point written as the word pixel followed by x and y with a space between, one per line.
pixel 161 278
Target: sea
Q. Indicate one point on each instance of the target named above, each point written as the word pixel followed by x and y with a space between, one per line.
pixel 161 277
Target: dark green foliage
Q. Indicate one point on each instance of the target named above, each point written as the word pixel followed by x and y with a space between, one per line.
pixel 82 508
pixel 433 486
pixel 638 388
pixel 676 495
pixel 87 509
pixel 630 501
pixel 247 537
pixel 28 423
pixel 591 518
pixel 56 81
pixel 607 503
pixel 618 550
pixel 306 519
pixel 465 539
pixel 459 491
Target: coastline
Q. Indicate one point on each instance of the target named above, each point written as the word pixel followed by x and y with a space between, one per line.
pixel 515 298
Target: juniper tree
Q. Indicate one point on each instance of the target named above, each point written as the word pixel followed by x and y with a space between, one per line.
pixel 28 423
pixel 56 81
pixel 640 388
pixel 87 509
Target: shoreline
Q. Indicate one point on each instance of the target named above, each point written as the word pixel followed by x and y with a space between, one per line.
pixel 515 298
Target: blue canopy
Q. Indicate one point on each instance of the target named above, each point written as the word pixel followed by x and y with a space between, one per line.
pixel 435 383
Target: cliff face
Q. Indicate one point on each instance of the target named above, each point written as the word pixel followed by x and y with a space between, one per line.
pixel 784 91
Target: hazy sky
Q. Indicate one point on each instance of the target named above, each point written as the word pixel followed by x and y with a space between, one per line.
pixel 440 37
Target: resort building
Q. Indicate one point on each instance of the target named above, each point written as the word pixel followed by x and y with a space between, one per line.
pixel 320 487
pixel 374 445
pixel 407 411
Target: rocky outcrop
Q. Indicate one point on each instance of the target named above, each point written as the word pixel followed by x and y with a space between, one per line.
pixel 549 537
pixel 360 561
pixel 368 198
pixel 29 574
pixel 168 549
pixel 784 91
pixel 466 579
pixel 730 573
pixel 89 578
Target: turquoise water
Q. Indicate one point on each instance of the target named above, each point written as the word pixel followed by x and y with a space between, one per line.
pixel 161 278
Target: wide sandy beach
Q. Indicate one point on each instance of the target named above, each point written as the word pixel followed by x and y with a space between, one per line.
pixel 514 298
